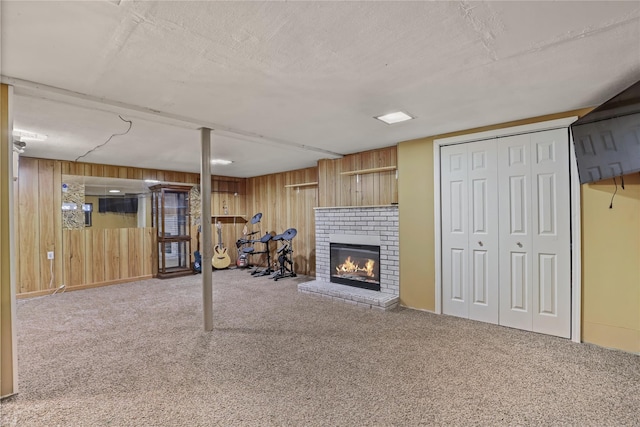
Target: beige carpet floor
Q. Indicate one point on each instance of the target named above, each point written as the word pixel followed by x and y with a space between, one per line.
pixel 137 355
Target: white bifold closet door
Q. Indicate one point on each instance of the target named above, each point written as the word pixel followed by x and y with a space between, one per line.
pixel 506 233
pixel 535 253
pixel 470 230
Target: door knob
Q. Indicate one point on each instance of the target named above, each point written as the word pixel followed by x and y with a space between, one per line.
pixel 480 243
pixel 519 244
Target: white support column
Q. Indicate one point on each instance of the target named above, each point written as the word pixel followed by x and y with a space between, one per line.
pixel 205 218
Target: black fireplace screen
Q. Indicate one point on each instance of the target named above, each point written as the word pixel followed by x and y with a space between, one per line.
pixel 355 265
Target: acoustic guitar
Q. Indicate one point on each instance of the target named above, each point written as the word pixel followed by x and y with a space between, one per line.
pixel 220 258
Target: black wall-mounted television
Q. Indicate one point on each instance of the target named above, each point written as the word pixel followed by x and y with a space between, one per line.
pixel 118 205
pixel 607 140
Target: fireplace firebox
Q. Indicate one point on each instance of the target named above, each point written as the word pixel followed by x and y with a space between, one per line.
pixel 355 265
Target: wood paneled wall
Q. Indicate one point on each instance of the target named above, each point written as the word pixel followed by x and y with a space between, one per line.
pixel 38 219
pixel 380 188
pixel 93 256
pixel 88 257
pixel 283 208
pixel 231 227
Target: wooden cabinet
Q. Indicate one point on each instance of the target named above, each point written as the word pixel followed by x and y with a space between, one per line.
pixel 170 206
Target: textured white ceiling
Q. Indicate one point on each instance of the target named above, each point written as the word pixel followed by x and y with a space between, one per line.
pixel 284 84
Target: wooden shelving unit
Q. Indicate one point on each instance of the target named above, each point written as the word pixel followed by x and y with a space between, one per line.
pixel 371 170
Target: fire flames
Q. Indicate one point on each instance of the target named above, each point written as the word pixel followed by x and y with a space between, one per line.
pixel 350 267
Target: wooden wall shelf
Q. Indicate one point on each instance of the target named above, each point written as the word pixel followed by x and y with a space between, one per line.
pixel 372 170
pixel 227 218
pixel 304 184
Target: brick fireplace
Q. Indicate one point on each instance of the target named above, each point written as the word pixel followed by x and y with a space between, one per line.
pixel 366 231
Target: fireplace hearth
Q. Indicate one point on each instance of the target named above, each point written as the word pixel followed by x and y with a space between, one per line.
pixel 355 265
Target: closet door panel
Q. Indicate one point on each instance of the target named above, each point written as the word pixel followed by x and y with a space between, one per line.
pixel 483 231
pixel 514 187
pixel 454 193
pixel 551 234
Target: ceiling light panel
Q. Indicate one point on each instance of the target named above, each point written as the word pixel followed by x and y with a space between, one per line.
pixel 395 117
pixel 221 162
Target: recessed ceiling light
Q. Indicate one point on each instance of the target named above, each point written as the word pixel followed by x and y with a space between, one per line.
pixel 220 162
pixel 151 181
pixel 114 191
pixel 397 117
